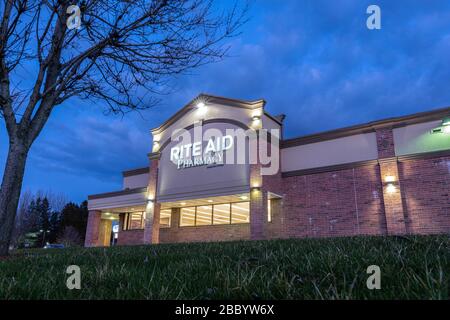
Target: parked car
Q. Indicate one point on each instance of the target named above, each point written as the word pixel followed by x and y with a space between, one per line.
pixel 54 246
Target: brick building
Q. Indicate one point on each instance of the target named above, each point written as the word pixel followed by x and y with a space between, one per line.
pixel 385 177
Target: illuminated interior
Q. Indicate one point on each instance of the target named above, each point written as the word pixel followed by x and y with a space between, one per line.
pixel 215 214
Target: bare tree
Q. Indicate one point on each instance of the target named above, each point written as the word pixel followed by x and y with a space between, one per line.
pixel 122 56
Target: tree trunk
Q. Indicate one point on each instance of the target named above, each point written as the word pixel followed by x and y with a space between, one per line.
pixel 10 190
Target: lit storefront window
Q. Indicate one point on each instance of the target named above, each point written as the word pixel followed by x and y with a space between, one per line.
pixel 221 214
pixel 240 212
pixel 187 217
pixel 217 214
pixel 133 221
pixel 203 216
pixel 164 218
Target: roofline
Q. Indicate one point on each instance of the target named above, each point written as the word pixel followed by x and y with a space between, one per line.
pixel 136 171
pixel 394 122
pixel 117 193
pixel 271 117
pixel 259 103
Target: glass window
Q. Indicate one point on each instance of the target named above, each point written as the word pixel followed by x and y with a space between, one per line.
pixel 203 216
pixel 164 218
pixel 221 214
pixel 187 217
pixel 240 212
pixel 134 220
pixel 227 213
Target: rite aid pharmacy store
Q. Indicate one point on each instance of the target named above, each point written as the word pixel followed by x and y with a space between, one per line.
pixel 220 170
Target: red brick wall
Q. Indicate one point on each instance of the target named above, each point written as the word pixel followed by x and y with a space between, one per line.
pixel 205 233
pixel 425 185
pixel 338 203
pixel 130 237
pixel 92 228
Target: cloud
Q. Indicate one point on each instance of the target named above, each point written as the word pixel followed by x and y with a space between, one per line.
pixel 96 146
pixel 315 61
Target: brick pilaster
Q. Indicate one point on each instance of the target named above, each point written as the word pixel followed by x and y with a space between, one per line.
pixel 385 143
pixel 258 203
pixel 393 206
pixel 92 229
pixel 151 231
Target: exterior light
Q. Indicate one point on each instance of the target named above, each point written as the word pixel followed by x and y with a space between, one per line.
pixel 257 113
pixel 183 203
pixel 255 185
pixel 201 108
pixel 256 121
pixel 389 179
pixel 243 197
pixel 444 128
pixel 210 201
pixel 446 121
pixel 391 188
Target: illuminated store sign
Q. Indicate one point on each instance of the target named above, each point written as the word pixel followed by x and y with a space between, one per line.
pixel 191 154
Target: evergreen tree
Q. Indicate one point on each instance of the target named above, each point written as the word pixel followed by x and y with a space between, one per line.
pixel 44 214
pixel 75 216
pixel 55 225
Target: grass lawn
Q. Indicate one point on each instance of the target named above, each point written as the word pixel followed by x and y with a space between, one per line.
pixel 411 268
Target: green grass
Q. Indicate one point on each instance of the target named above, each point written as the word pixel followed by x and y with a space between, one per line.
pixel 411 268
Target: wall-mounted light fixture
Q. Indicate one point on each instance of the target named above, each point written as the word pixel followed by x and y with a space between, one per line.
pixel 155 146
pixel 150 203
pixel 444 127
pixel 201 108
pixel 256 119
pixel 389 179
pixel 256 122
pixel 446 121
pixel 255 186
pixel 391 188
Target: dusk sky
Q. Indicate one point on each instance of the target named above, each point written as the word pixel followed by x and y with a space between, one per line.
pixel 314 61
